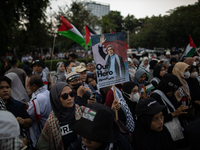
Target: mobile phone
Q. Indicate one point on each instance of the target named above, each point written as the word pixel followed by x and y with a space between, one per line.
pixel 92 95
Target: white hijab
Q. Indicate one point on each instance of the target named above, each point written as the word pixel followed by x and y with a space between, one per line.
pixel 18 91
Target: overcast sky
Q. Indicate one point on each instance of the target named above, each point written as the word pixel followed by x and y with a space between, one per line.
pixel 138 8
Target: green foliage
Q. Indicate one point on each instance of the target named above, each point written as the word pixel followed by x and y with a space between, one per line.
pixel 107 25
pixel 130 23
pixel 168 31
pixel 113 20
pixel 22 24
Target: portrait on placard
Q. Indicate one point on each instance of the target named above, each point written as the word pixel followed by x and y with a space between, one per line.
pixel 110 56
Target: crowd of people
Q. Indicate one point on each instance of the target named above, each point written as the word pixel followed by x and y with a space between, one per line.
pixel 157 109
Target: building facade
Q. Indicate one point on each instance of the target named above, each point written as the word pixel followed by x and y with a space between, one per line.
pixel 99 10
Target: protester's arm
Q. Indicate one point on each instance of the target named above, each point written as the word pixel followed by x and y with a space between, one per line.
pixel 25 121
pixel 101 52
pixel 180 111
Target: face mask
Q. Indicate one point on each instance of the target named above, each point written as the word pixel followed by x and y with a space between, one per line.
pixel 194 75
pixel 134 97
pixel 194 64
pixel 76 86
pixel 72 69
pixel 186 75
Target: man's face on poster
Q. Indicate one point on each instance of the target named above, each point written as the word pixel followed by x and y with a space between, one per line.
pixel 110 51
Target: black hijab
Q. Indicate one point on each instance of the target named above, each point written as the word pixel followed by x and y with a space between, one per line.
pixel 144 138
pixel 173 59
pixel 127 88
pixel 169 83
pixel 64 115
pixel 156 71
pixel 170 69
pixel 193 86
pixel 153 63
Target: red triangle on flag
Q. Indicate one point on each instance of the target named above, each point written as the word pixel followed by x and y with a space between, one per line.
pixel 192 43
pixel 87 35
pixel 65 24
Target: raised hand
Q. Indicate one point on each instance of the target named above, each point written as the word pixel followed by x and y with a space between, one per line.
pixel 102 39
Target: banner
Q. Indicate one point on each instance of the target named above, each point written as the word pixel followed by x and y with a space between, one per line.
pixel 110 56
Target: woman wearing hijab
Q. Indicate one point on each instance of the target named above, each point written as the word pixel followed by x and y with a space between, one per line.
pixel 158 73
pixel 98 130
pixel 173 61
pixel 152 64
pixel 131 95
pixel 56 133
pixel 150 132
pixel 18 91
pixel 194 88
pixel 60 74
pixel 181 70
pixel 145 64
pixel 90 80
pixel 140 80
pixel 164 94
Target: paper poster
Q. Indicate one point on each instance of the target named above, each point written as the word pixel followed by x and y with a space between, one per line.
pixel 110 56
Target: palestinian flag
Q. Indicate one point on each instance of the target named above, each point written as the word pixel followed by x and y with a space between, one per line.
pixel 88 32
pixel 190 49
pixel 126 44
pixel 68 30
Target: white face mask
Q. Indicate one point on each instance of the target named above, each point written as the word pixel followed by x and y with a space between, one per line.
pixel 186 75
pixel 135 97
pixel 194 75
pixel 194 64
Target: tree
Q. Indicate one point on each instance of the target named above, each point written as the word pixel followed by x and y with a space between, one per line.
pixel 107 25
pixel 20 16
pixel 115 18
pixel 130 23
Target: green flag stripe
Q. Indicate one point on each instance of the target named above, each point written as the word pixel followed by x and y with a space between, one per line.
pixel 90 43
pixel 191 52
pixel 73 37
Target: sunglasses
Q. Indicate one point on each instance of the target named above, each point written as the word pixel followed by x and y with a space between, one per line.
pixel 65 95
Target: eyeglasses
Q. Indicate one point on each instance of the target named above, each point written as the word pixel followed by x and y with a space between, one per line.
pixel 65 95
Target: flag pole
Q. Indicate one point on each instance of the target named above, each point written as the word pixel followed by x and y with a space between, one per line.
pixel 53 50
pixel 116 112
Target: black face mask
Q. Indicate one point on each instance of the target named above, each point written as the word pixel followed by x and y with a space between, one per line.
pixel 76 86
